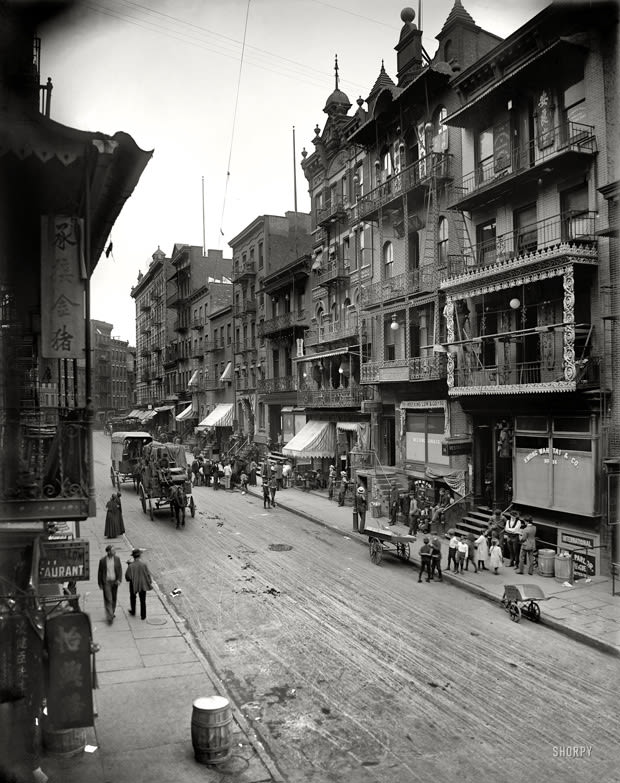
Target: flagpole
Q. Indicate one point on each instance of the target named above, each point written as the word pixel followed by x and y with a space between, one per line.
pixel 295 188
pixel 204 241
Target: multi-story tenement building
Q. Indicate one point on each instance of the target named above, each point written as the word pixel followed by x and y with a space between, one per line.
pixel 101 368
pixel 154 330
pixel 119 391
pixel 529 347
pixel 271 265
pixel 132 398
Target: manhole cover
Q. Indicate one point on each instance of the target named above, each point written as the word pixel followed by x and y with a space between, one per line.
pixel 280 547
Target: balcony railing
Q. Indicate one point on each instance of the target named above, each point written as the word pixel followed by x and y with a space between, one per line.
pixel 246 383
pixel 577 230
pixel 418 174
pixel 214 345
pixel 527 373
pixel 245 345
pixel 181 324
pixel 332 212
pixel 197 353
pixel 245 308
pixel 334 398
pixel 285 383
pixel 198 323
pixel 333 272
pixel 425 279
pixel 244 269
pixel 45 473
pixel 336 330
pixel 567 137
pixel 282 322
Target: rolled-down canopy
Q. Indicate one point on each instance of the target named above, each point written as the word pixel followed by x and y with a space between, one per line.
pixel 314 439
pixel 347 426
pixel 186 413
pixel 221 416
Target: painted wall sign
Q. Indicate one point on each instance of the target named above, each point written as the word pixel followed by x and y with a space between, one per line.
pixel 64 561
pixel 62 288
pixel 552 455
pixel 449 449
pixel 585 559
pixel 544 120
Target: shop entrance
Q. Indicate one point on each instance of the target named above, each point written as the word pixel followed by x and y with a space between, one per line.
pixel 389 441
pixel 493 440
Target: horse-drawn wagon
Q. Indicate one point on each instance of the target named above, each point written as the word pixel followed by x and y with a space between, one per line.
pixel 164 480
pixel 127 456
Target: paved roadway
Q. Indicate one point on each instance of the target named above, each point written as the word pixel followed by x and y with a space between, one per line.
pixel 356 673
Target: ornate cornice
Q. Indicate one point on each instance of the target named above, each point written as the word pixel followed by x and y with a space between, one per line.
pixel 515 388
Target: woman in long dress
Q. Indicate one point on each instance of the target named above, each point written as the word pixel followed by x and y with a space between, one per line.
pixel 114 526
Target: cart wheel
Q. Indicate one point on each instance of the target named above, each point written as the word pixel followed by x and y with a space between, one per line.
pixel 376 550
pixel 192 507
pixel 403 551
pixel 515 612
pixel 142 498
pixel 533 611
pixel 113 477
pixel 151 510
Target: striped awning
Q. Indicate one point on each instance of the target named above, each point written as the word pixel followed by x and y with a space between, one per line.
pixel 348 426
pixel 314 439
pixel 227 374
pixel 221 416
pixel 185 414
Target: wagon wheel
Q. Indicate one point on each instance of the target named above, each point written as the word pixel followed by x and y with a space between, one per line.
pixel 142 497
pixel 192 507
pixel 533 611
pixel 403 551
pixel 376 550
pixel 113 477
pixel 515 612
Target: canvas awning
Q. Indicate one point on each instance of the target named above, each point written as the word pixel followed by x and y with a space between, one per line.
pixel 227 374
pixel 317 356
pixel 348 426
pixel 164 408
pixel 135 414
pixel 193 381
pixel 147 415
pixel 314 439
pixel 221 416
pixel 185 414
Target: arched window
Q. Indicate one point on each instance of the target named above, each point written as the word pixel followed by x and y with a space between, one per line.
pixel 442 243
pixel 346 312
pixel 388 258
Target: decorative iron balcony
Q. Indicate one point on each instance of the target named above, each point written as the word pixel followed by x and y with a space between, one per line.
pixel 181 324
pixel 285 383
pixel 567 138
pixel 334 398
pixel 198 323
pixel 243 270
pixel 46 476
pixel 213 345
pixel 245 384
pixel 436 165
pixel 245 308
pixel 282 323
pixel 333 212
pixel 333 272
pixel 332 331
pixel 425 279
pixel 554 235
pixel 197 353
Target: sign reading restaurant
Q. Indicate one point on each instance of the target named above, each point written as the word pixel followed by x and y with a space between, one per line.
pixel 62 561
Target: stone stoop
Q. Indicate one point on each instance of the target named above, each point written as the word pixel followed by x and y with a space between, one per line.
pixel 474 522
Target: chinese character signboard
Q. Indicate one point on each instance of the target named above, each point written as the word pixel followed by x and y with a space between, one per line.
pixel 62 288
pixel 21 653
pixel 69 694
pixel 64 561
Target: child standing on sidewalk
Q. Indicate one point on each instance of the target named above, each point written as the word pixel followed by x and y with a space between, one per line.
pixel 462 553
pixel 495 554
pixel 453 545
pixel 266 495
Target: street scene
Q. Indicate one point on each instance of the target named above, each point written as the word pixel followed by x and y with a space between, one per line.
pixel 309 429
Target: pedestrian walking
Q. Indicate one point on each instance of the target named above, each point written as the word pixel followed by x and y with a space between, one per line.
pixel 244 478
pixel 481 546
pixel 178 500
pixel 273 487
pixel 279 475
pixel 414 514
pixel 266 495
pixel 114 525
pixel 331 482
pixel 471 552
pixel 394 502
pixel 109 577
pixel 453 546
pixel 528 546
pixel 361 506
pixel 425 558
pixel 140 582
pixel 196 472
pixel 252 475
pixel 342 492
pixel 436 558
pixel 462 552
pixel 495 556
pixel 228 476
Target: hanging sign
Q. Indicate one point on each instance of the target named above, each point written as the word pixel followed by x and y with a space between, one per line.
pixel 544 120
pixel 63 277
pixel 501 146
pixel 64 561
pixel 69 693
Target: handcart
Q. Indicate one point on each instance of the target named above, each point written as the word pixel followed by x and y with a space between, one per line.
pixel 523 599
pixel 126 456
pixel 164 467
pixel 380 541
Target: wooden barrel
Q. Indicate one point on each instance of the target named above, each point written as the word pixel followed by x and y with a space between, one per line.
pixel 63 742
pixel 211 729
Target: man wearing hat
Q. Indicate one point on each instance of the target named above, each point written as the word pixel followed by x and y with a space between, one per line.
pixel 139 578
pixel 512 531
pixel 361 507
pixel 109 577
pixel 426 552
pixel 528 546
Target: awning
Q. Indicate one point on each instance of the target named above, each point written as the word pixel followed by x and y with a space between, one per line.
pixel 314 439
pixel 164 408
pixel 227 374
pixel 324 355
pixel 185 414
pixel 147 415
pixel 193 381
pixel 135 414
pixel 221 416
pixel 348 426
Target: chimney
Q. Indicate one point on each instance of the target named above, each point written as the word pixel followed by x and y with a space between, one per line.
pixel 409 49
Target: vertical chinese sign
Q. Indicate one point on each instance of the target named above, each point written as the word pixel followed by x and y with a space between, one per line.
pixel 69 694
pixel 62 288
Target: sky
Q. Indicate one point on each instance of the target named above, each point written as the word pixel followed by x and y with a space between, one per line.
pixel 215 88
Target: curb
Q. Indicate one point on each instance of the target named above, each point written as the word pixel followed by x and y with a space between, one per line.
pixel 472 588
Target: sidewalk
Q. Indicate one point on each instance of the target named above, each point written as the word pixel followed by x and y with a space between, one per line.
pixel 135 655
pixel 586 612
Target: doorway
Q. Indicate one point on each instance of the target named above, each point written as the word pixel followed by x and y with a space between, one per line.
pixel 493 438
pixel 389 441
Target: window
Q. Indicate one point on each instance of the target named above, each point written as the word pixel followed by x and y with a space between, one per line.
pixel 574 100
pixel 388 259
pixel 574 205
pixel 526 234
pixel 425 431
pixel 485 240
pixel 390 352
pixel 442 243
pixel 484 154
pixel 440 130
pixel 359 184
pixel 260 255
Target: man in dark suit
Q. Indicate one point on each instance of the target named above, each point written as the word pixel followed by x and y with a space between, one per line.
pixel 109 577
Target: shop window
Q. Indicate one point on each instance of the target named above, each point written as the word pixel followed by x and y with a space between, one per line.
pixel 425 432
